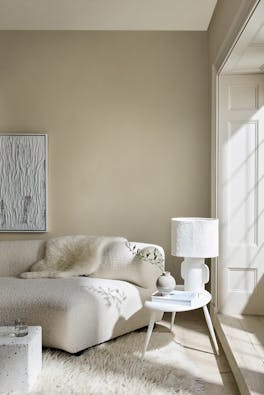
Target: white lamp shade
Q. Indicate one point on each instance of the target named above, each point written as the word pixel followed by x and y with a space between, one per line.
pixel 194 237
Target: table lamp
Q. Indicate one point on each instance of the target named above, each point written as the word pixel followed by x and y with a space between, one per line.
pixel 194 239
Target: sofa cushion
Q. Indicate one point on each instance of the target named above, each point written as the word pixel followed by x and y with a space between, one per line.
pixel 74 313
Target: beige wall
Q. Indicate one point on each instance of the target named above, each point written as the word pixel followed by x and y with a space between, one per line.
pixel 127 118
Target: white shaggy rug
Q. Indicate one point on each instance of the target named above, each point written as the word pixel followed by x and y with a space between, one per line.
pixel 116 368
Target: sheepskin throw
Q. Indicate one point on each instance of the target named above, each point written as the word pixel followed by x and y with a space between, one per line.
pixel 69 256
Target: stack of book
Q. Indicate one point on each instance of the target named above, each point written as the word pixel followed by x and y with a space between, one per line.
pixel 176 297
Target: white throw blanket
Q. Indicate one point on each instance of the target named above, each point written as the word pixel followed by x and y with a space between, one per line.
pixel 69 256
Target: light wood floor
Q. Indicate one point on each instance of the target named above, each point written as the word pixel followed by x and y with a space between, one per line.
pixel 243 340
pixel 191 331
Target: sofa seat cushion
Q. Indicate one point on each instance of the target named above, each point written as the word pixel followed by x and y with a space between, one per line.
pixel 74 313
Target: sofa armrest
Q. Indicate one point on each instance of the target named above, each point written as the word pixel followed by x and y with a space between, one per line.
pixel 122 262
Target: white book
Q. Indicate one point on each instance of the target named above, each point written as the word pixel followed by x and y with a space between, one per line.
pixel 177 297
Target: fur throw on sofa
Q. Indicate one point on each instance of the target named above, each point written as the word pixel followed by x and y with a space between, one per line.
pixel 69 256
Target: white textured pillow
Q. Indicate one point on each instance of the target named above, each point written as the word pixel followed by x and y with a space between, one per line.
pixel 120 263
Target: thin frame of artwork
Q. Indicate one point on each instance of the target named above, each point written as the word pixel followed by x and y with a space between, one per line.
pixel 23 182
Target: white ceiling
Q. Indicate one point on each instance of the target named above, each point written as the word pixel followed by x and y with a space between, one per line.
pixel 106 14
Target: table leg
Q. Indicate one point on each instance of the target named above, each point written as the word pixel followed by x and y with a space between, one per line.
pixel 211 328
pixel 149 332
pixel 172 319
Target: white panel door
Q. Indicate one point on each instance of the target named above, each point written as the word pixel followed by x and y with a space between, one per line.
pixel 241 194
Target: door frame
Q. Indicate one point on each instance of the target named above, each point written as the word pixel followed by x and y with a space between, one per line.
pixel 241 19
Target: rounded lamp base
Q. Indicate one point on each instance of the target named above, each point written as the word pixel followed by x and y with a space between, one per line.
pixel 195 274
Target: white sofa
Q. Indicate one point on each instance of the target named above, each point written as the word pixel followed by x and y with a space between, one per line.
pixel 79 312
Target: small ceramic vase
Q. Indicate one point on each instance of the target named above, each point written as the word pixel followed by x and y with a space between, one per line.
pixel 165 283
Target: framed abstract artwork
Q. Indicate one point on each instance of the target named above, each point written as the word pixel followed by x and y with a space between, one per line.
pixel 23 182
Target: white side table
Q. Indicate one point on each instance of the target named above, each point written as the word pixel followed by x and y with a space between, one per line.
pixel 20 359
pixel 202 301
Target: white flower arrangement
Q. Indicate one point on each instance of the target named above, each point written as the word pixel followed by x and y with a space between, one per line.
pixel 148 254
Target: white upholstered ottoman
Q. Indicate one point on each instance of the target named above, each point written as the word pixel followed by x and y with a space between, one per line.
pixel 20 359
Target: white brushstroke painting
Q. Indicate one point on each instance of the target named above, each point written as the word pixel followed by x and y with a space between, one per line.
pixel 23 205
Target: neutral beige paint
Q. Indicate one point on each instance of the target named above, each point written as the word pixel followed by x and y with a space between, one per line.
pixel 127 118
pixel 106 14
